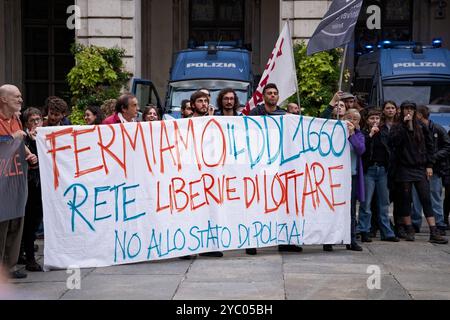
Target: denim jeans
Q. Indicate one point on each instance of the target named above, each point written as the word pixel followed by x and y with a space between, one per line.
pixel 437 203
pixel 353 210
pixel 376 179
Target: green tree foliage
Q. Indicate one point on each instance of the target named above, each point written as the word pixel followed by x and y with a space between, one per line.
pixel 98 75
pixel 318 77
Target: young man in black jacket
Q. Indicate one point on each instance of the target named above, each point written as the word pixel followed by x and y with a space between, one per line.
pixel 441 154
pixel 270 107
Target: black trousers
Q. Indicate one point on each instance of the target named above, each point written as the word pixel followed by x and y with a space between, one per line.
pixel 33 218
pixel 395 198
pixel 423 190
pixel 447 203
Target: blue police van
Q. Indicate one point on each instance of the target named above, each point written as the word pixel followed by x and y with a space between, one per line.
pixel 400 71
pixel 213 67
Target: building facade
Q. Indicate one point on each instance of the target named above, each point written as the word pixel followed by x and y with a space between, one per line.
pixel 35 40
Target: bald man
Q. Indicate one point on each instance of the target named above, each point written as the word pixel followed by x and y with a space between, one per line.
pixel 11 230
pixel 293 108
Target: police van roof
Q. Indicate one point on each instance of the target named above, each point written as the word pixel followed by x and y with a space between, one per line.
pixel 220 63
pixel 395 62
pixel 401 62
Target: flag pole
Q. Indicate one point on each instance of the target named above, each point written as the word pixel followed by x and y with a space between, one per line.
pixel 341 77
pixel 295 68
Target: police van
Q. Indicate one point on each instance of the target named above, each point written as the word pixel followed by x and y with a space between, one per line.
pixel 212 66
pixel 400 71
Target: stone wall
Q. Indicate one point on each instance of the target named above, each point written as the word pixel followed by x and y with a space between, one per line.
pixel 303 15
pixel 110 23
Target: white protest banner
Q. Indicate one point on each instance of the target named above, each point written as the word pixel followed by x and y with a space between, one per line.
pixel 125 193
pixel 280 69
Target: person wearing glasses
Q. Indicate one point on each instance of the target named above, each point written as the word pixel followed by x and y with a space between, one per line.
pixel 32 119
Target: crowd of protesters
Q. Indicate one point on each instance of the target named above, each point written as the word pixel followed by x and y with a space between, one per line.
pixel 398 155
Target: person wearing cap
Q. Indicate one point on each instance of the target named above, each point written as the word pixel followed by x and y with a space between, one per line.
pixel 412 145
pixel 347 98
pixel 375 164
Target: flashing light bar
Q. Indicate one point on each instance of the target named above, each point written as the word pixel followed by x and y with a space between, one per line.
pixel 437 42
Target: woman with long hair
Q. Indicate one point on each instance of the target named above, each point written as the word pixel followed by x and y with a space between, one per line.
pixel 412 146
pixel 150 113
pixel 93 115
pixel 390 116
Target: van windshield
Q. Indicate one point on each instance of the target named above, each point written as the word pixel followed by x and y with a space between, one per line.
pixel 184 89
pixel 418 93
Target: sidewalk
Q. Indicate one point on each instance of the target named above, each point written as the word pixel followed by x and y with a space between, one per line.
pixel 409 270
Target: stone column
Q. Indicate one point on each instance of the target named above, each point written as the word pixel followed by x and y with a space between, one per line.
pixel 110 23
pixel 304 16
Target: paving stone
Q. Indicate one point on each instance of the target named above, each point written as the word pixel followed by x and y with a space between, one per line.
pixel 37 291
pixel 304 267
pixel 339 286
pixel 163 267
pixel 419 281
pixel 52 276
pixel 125 287
pixel 430 295
pixel 269 290
pixel 254 268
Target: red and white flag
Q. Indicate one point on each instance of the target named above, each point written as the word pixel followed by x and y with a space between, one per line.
pixel 280 69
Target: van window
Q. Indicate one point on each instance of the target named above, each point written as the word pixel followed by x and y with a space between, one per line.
pixel 420 94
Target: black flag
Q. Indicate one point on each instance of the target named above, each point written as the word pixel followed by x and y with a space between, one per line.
pixel 13 179
pixel 337 26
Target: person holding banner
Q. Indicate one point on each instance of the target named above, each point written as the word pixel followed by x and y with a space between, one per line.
pixel 186 109
pixel 211 108
pixel 199 103
pixel 32 119
pixel 357 148
pixel 126 110
pixel 150 113
pixel 270 107
pixel 228 103
pixel 56 112
pixel 11 228
pixel 293 108
pixel 93 115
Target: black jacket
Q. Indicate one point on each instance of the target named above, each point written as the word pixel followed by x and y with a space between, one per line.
pixel 441 148
pixel 34 179
pixel 379 140
pixel 260 110
pixel 411 158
